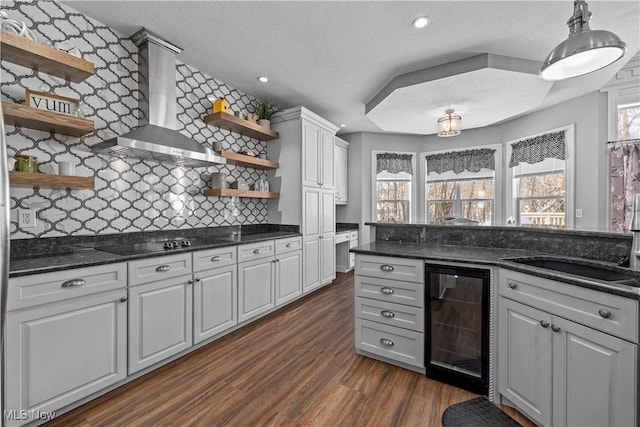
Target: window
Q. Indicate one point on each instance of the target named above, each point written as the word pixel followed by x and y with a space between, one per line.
pixel 628 121
pixel 541 168
pixel 393 187
pixel 459 186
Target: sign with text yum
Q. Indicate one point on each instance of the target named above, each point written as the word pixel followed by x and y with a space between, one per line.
pixel 51 102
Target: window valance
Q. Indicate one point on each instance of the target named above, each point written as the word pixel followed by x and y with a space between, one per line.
pixel 534 150
pixel 459 161
pixel 394 163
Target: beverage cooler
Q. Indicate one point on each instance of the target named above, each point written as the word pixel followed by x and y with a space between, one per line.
pixel 457 329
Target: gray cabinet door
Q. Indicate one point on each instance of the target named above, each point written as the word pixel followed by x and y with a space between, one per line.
pixel 594 377
pixel 311 263
pixel 327 160
pixel 327 259
pixel 288 277
pixel 524 359
pixel 215 295
pixel 311 151
pixel 60 353
pixel 160 321
pixel 328 215
pixel 255 288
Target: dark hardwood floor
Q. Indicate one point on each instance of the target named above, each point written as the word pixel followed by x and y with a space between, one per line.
pixel 297 366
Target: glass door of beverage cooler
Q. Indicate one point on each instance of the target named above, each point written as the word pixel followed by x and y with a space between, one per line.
pixel 457 335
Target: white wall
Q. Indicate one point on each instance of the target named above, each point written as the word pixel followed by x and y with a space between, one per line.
pixel 588 113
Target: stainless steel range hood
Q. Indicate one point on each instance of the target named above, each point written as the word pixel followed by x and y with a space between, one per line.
pixel 157 138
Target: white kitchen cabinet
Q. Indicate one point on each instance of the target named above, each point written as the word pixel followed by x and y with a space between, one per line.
pixel 556 370
pixel 306 183
pixel 215 296
pixel 59 353
pixel 288 272
pixel 255 288
pixel 160 320
pixel 341 170
pixel 346 261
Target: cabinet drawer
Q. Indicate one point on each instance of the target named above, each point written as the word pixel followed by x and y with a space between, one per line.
pixel 402 316
pixel 572 302
pixel 342 237
pixel 353 243
pixel 255 251
pixel 38 289
pixel 390 290
pixel 394 343
pixel 353 235
pixel 410 270
pixel 288 245
pixel 159 268
pixel 214 258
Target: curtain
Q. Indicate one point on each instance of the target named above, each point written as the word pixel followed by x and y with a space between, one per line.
pixel 394 163
pixel 625 183
pixel 534 150
pixel 459 161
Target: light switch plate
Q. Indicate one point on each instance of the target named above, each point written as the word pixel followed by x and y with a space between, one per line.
pixel 27 218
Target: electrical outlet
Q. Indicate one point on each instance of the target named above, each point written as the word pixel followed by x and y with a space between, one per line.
pixel 578 213
pixel 27 218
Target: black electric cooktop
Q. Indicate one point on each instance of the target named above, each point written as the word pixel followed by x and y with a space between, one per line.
pixel 165 246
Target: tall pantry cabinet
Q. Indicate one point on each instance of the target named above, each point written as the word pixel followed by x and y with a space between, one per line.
pixel 306 183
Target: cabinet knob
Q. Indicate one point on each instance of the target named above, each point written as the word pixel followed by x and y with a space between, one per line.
pixel 256 251
pixel 197 279
pixel 123 299
pixel 544 323
pixel 73 283
pixel 605 314
pixel 386 291
pixel 190 281
pixel 163 268
pixel 386 267
pixel 216 258
pixel 288 245
pixel 389 314
pixel 386 342
pixel 555 328
pixel 512 285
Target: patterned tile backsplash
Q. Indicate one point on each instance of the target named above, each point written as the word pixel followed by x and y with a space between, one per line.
pixel 129 195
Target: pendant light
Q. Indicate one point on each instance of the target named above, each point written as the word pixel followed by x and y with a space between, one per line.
pixel 585 50
pixel 449 124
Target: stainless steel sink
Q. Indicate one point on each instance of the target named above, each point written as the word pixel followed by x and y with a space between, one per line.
pixel 581 268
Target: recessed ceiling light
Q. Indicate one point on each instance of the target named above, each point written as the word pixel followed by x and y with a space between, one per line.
pixel 421 22
pixel 342 125
pixel 263 79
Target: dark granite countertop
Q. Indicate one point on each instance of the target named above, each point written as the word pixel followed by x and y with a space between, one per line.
pixel 84 253
pixel 500 257
pixel 346 226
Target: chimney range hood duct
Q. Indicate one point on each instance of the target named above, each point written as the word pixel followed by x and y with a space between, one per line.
pixel 156 138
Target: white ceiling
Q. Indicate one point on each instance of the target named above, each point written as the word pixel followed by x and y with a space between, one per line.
pixel 334 56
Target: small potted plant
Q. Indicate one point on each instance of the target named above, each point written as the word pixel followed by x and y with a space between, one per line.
pixel 265 109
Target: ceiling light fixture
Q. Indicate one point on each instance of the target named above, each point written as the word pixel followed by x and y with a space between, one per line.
pixel 585 50
pixel 421 22
pixel 342 125
pixel 263 79
pixel 449 124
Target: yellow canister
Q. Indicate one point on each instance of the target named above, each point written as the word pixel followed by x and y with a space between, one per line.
pixel 220 105
pixel 25 163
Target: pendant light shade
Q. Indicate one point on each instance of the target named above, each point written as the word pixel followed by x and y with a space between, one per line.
pixel 449 124
pixel 584 51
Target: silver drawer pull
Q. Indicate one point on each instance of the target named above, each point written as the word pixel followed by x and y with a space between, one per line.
pixel 288 245
pixel 163 268
pixel 216 258
pixel 386 291
pixel 256 251
pixel 388 314
pixel 512 285
pixel 73 283
pixel 605 314
pixel 544 324
pixel 386 267
pixel 386 342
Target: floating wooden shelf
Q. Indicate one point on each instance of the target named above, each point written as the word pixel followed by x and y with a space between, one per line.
pixel 241 126
pixel 26 179
pixel 248 161
pixel 230 192
pixel 32 118
pixel 46 59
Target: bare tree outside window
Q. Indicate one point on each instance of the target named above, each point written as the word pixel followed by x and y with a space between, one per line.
pixel 628 121
pixel 468 198
pixel 393 197
pixel 541 200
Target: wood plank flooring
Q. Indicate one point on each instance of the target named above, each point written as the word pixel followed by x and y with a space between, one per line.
pixel 297 366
